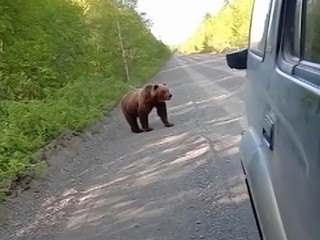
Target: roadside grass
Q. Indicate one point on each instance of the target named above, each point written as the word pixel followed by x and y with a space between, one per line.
pixel 27 126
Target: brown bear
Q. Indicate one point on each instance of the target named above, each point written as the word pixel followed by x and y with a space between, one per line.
pixel 139 102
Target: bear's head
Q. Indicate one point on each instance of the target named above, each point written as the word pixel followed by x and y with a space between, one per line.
pixel 161 92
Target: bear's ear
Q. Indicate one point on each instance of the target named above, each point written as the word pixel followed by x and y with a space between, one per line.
pixel 155 86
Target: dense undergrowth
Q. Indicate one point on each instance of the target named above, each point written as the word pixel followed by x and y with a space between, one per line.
pixel 61 67
pixel 222 32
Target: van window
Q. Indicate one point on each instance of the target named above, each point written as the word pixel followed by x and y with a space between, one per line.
pixel 312 31
pixel 296 28
pixel 259 25
pixel 301 41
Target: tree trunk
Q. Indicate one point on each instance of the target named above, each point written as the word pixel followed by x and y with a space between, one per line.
pixel 122 48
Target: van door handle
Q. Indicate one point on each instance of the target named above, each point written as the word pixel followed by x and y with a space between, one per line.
pixel 268 131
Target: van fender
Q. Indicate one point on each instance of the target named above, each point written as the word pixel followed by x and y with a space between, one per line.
pixel 255 165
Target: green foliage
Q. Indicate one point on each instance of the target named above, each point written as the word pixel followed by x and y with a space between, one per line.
pixel 61 66
pixel 227 30
pixel 312 32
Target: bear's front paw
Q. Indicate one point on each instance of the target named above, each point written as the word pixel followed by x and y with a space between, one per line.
pixel 147 129
pixel 169 125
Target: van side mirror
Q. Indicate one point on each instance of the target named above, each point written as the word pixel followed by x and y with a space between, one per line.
pixel 237 60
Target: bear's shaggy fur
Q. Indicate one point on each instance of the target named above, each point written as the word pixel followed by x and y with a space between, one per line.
pixel 139 102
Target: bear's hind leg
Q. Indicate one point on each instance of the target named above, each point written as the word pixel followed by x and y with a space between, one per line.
pixel 132 120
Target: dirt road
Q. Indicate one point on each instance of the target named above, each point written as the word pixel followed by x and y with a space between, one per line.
pixel 183 182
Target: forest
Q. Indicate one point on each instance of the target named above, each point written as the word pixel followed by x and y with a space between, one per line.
pixel 63 64
pixel 224 31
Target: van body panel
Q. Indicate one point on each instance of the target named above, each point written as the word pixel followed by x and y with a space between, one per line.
pixel 280 150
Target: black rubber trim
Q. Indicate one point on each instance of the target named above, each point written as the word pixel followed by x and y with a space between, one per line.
pixel 252 203
pixel 254 210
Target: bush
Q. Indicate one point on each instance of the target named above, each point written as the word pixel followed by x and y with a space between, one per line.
pixel 61 67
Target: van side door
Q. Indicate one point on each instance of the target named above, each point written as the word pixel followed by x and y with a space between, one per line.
pixel 294 97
